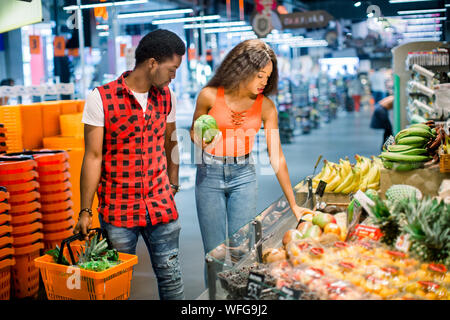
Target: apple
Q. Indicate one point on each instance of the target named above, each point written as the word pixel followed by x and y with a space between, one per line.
pixel 332 228
pixel 313 232
pixel 321 219
pixel 304 226
pixel 291 235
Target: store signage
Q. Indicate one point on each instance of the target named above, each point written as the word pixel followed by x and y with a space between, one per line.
pixel 308 19
pixel 321 188
pixel 262 20
pixel 289 294
pixel 59 46
pixel 35 44
pixel 123 47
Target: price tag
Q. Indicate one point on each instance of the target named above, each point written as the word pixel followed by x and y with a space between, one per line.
pixel 365 202
pixel 254 286
pixel 289 294
pixel 320 190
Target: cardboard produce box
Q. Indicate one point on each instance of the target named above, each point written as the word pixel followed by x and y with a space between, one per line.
pixel 301 194
pixel 427 181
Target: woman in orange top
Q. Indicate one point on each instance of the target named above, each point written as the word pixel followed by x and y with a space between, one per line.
pixel 237 97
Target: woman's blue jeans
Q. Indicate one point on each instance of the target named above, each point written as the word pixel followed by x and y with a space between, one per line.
pixel 162 242
pixel 226 197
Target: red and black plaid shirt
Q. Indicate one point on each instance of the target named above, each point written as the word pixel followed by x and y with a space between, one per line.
pixel 134 167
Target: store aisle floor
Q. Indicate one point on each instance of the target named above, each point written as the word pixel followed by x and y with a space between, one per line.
pixel 347 135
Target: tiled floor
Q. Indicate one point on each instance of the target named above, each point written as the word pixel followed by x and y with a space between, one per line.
pixel 347 135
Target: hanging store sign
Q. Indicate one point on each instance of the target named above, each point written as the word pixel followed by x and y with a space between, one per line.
pixel 262 20
pixel 15 14
pixel 35 45
pixel 59 46
pixel 308 19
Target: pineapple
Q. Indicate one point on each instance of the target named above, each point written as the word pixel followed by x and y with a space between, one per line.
pixel 428 224
pixel 385 221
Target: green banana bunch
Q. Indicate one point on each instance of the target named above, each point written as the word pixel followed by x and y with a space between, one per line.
pixel 394 156
pixel 414 132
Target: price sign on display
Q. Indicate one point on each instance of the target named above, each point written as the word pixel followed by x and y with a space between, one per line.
pixel 59 46
pixel 365 202
pixel 35 44
pixel 254 286
pixel 320 190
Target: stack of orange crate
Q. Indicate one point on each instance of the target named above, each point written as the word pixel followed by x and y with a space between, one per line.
pixel 3 147
pixel 6 248
pixel 19 175
pixel 56 196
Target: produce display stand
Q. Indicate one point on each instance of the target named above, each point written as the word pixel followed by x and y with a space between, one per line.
pixel 237 269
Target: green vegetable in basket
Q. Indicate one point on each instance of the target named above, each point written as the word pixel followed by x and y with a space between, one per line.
pixel 55 254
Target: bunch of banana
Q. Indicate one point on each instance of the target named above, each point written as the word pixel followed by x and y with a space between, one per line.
pixel 344 177
pixel 410 148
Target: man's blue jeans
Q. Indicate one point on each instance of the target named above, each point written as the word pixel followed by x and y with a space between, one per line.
pixel 162 242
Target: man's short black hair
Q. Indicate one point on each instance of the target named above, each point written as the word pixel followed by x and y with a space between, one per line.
pixel 159 44
pixel 7 82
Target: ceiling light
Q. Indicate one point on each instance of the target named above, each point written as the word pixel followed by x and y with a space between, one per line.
pixel 310 43
pixel 231 29
pixel 405 1
pixel 423 33
pixel 421 11
pixel 357 4
pixel 102 27
pixel 104 4
pixel 215 24
pixel 189 19
pixel 103 34
pixel 153 13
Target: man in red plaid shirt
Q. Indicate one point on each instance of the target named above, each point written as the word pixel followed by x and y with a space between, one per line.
pixel 129 144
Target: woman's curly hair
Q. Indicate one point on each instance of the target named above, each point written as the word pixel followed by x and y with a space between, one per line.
pixel 242 63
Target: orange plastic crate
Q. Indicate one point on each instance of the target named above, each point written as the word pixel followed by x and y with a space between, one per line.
pixel 26 229
pixel 56 197
pixel 4 218
pixel 57 207
pixel 25 274
pixel 64 142
pixel 5 229
pixel 59 225
pixel 7 167
pixel 26 218
pixel 4 207
pixel 6 252
pixel 5 278
pixel 58 216
pixel 4 194
pixel 54 188
pixel 51 158
pixel 54 178
pixel 58 236
pixel 19 199
pixel 11 118
pixel 5 241
pixel 27 240
pixel 15 189
pixel 25 208
pixel 14 178
pixel 111 284
pixel 53 168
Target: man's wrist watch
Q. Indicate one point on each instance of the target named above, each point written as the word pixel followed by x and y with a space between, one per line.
pixel 85 210
pixel 175 187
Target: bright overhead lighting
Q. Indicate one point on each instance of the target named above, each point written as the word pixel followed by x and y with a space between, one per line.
pixel 370 15
pixel 310 44
pixel 405 1
pixel 425 20
pixel 188 19
pixel 104 4
pixel 421 11
pixel 357 4
pixel 103 34
pixel 102 27
pixel 421 34
pixel 215 24
pixel 153 13
pixel 231 29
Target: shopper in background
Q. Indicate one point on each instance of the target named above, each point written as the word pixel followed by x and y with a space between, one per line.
pixel 237 97
pixel 378 84
pixel 6 82
pixel 380 118
pixel 356 90
pixel 128 159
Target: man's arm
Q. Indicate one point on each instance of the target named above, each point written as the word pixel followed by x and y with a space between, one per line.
pixel 172 152
pixel 90 174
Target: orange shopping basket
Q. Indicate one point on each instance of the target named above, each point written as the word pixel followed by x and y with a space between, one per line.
pixel 72 283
